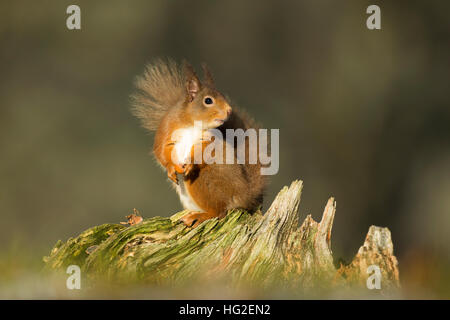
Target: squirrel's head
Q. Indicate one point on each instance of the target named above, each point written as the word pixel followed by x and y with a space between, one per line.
pixel 203 100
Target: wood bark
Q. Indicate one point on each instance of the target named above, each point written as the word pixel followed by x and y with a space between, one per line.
pixel 240 249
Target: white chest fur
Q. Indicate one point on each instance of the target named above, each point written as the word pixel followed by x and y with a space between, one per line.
pixel 185 198
pixel 185 139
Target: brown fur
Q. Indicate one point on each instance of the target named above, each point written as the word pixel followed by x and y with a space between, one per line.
pixel 171 98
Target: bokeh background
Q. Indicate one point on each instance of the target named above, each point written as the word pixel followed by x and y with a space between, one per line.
pixel 364 116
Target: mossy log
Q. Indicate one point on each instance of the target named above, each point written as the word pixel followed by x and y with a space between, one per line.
pixel 242 248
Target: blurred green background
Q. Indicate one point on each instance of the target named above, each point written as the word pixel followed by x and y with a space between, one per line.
pixel 364 116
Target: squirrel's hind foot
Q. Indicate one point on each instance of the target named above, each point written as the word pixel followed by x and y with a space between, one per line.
pixel 193 219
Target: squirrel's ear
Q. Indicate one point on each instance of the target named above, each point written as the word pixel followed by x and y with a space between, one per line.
pixel 193 84
pixel 207 76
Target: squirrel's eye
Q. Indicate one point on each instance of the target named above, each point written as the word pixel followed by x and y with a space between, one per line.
pixel 208 101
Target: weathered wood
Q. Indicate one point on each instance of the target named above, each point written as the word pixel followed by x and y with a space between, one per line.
pixel 241 249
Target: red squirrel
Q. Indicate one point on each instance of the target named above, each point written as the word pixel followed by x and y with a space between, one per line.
pixel 172 97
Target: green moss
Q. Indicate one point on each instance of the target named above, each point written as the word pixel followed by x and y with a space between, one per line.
pixel 73 251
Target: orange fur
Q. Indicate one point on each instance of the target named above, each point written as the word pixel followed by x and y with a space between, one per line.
pixel 172 98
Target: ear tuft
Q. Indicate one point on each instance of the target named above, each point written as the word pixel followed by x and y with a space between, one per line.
pixel 207 76
pixel 193 84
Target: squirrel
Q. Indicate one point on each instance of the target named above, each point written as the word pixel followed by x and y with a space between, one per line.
pixel 172 98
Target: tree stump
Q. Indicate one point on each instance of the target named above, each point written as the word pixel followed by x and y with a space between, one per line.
pixel 240 249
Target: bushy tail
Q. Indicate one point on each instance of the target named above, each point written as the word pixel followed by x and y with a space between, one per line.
pixel 161 87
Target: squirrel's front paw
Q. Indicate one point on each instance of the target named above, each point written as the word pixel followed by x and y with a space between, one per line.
pixel 194 219
pixel 172 174
pixel 187 168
